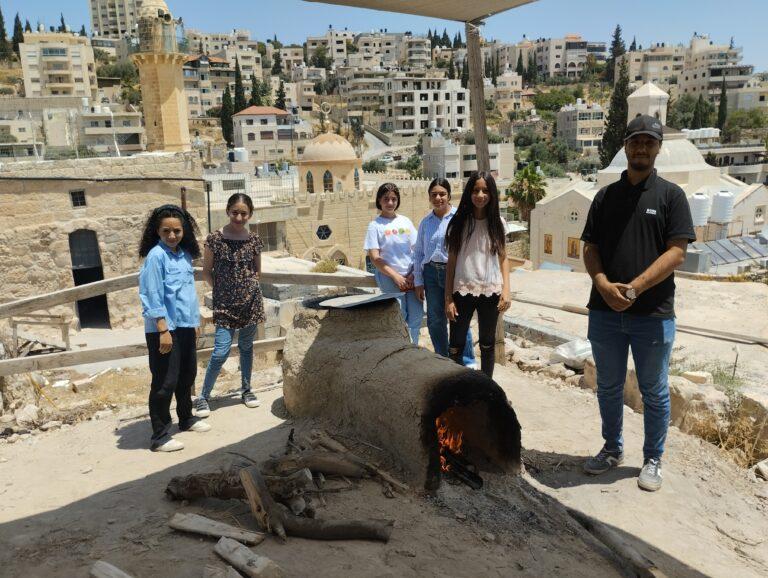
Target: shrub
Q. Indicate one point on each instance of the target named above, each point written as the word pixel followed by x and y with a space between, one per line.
pixel 374 166
pixel 325 266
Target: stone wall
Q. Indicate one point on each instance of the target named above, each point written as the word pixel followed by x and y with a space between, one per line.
pixel 37 216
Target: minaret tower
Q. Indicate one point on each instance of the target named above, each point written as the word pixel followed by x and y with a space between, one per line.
pixel 160 75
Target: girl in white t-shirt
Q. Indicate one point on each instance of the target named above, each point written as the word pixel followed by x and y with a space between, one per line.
pixel 389 242
pixel 477 276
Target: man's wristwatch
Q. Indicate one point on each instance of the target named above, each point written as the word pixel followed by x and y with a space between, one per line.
pixel 631 294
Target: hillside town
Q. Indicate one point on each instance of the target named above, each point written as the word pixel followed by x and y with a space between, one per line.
pixel 131 138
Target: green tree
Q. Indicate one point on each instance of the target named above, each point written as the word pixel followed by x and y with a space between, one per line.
pixel 255 91
pixel 487 69
pixel 698 113
pixel 413 166
pixel 18 34
pixel 280 96
pixel 530 70
pixel 240 102
pixel 711 159
pixel 227 111
pixel 553 100
pixel 6 50
pixel 277 63
pixel 82 31
pixel 465 74
pixel 539 152
pixel 680 112
pixel 520 69
pixel 451 69
pixel 722 109
pixel 265 93
pixel 633 46
pixel 558 149
pixel 460 43
pixel 526 190
pixel 27 26
pixel 617 49
pixel 62 25
pixel 444 40
pixel 374 166
pixel 320 58
pixel 616 124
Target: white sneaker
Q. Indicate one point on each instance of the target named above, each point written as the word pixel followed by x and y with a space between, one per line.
pixel 199 426
pixel 250 399
pixel 171 445
pixel 473 365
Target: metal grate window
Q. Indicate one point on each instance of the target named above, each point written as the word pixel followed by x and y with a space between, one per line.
pixel 77 198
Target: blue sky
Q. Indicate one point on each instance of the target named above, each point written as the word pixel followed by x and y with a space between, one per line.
pixel 292 20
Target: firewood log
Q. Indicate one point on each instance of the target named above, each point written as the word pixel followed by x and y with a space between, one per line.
pixel 245 560
pixel 277 519
pixel 317 461
pixel 227 485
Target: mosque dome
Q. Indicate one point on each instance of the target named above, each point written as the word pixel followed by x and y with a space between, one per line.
pixel 329 147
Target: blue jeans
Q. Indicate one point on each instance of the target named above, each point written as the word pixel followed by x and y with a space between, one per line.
pixel 612 334
pixel 412 308
pixel 222 342
pixel 437 322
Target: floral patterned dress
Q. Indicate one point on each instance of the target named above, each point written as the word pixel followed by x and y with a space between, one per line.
pixel 237 300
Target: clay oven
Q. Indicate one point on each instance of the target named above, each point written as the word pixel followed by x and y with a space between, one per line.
pixel 357 370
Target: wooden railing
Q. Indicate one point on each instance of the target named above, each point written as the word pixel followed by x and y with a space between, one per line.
pixel 72 358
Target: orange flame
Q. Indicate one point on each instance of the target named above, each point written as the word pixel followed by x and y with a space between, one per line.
pixel 447 439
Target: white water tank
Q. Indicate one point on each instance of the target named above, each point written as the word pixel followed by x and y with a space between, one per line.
pixel 699 209
pixel 241 155
pixel 722 207
pixel 84 104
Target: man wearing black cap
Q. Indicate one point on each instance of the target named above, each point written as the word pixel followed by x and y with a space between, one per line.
pixel 636 234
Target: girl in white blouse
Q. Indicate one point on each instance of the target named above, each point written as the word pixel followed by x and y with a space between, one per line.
pixel 477 276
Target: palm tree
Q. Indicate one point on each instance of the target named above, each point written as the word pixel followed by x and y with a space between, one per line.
pixel 526 190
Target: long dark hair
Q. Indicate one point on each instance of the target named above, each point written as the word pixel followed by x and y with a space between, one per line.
pixel 464 221
pixel 240 198
pixel 383 190
pixel 440 182
pixel 150 238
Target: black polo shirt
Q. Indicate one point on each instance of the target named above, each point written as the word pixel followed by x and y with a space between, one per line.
pixel 631 225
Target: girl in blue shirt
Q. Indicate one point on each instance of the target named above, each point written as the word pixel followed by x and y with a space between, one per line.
pixel 171 318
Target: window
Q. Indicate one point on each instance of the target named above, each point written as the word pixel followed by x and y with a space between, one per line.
pixel 759 215
pixel 77 198
pixel 327 182
pixel 251 136
pixel 548 244
pixel 267 135
pixel 310 183
pixel 573 248
pixel 233 185
pixel 357 179
pixel 323 232
pixel 574 217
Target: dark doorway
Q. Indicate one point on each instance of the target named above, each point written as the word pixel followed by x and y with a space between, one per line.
pixel 86 268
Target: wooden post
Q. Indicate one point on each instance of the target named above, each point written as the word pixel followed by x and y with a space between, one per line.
pixel 477 103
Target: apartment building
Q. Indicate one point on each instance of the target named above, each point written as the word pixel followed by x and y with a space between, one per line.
pixel 299 95
pixel 291 56
pixel 334 41
pixel 213 42
pixel 363 90
pixel 565 56
pixel 205 80
pixel 270 135
pixel 581 125
pixel 509 92
pixel 414 102
pixel 662 64
pixel 114 18
pixel 706 66
pixel 376 49
pixel 58 64
pixel 105 129
pixel 753 95
pixel 250 62
pixel 416 51
pixel 309 73
pixel 444 158
pixel 18 130
pixel 508 54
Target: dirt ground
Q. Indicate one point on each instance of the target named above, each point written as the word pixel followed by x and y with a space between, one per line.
pixel 94 491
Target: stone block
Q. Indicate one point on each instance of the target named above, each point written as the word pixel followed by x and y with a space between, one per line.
pixel 558 371
pixel 27 416
pixel 698 376
pixel 696 409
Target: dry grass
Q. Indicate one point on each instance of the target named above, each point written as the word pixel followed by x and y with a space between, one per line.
pixel 326 266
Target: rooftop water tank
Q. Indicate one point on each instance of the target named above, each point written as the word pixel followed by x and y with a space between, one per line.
pixel 241 155
pixel 722 207
pixel 699 209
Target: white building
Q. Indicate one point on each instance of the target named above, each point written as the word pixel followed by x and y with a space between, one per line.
pixel 270 135
pixel 105 129
pixel 648 99
pixel 335 43
pixel 444 158
pixel 565 56
pixel 662 64
pixel 581 125
pixel 708 64
pixel 114 18
pixel 509 92
pixel 58 64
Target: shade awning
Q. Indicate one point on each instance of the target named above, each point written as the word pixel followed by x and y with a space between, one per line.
pixel 460 10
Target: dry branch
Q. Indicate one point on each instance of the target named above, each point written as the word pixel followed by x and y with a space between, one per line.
pixel 207 527
pixel 246 561
pixel 317 461
pixel 226 485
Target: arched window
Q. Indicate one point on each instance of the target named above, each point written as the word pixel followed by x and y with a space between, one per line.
pixel 327 182
pixel 310 183
pixel 357 180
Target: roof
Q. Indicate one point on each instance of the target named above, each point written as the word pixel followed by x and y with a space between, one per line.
pixel 733 250
pixel 459 10
pixel 329 147
pixel 214 59
pixel 649 89
pixel 747 192
pixel 262 110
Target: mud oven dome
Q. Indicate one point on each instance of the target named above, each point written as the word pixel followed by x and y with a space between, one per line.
pixel 356 370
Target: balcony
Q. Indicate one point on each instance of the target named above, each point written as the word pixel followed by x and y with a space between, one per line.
pixel 103 130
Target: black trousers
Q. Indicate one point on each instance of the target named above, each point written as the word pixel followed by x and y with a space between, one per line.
pixel 487 315
pixel 172 373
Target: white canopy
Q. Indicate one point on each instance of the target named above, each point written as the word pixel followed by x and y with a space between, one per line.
pixel 460 10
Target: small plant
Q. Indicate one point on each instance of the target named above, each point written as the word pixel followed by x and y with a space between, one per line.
pixel 325 266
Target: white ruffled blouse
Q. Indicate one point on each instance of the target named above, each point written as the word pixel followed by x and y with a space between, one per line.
pixel 477 267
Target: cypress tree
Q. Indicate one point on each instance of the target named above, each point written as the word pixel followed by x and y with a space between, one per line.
pixel 617 49
pixel 27 27
pixel 445 41
pixel 461 42
pixel 280 97
pixel 487 68
pixel 465 74
pixel 82 31
pixel 277 63
pixel 531 69
pixel 227 110
pixel 255 91
pixel 496 70
pixel 18 34
pixel 265 93
pixel 5 47
pixel 63 25
pixel 240 102
pixel 451 69
pixel 698 113
pixel 722 110
pixel 519 68
pixel 633 46
pixel 616 124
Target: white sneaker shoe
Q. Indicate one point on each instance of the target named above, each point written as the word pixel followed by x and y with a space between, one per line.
pixel 250 399
pixel 171 445
pixel 473 365
pixel 199 426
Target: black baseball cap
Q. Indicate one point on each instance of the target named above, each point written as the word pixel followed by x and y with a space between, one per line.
pixel 644 124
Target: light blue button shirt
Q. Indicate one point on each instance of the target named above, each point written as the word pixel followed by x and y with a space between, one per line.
pixel 167 289
pixel 430 243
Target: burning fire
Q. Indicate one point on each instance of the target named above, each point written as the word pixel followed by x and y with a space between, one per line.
pixel 447 439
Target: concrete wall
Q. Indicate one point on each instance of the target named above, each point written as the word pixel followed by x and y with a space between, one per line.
pixel 37 216
pixel 562 218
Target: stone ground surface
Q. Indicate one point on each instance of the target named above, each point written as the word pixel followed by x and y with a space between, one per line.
pixel 732 307
pixel 93 491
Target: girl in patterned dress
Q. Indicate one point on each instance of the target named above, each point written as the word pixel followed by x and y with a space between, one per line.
pixel 231 265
